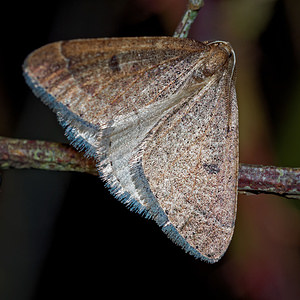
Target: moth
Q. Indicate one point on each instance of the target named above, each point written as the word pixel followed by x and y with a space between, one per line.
pixel 160 117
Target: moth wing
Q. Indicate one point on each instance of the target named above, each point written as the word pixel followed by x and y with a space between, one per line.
pixel 188 169
pixel 109 93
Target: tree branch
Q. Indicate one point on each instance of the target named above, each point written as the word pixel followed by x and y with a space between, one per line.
pixel 32 154
pixel 188 18
pixel 281 181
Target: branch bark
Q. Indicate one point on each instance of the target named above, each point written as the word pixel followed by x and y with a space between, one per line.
pixel 32 154
pixel 188 18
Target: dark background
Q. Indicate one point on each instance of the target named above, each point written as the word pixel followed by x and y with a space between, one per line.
pixel 63 234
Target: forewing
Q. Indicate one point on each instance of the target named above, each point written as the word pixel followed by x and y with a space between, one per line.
pixel 92 83
pixel 109 93
pixel 189 164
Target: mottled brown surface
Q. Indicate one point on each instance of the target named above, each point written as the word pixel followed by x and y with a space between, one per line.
pixel 167 102
pixel 192 159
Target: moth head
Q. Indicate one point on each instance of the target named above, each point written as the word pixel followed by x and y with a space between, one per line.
pixel 219 58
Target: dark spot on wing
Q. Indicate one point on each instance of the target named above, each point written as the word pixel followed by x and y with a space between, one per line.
pixel 114 64
pixel 211 168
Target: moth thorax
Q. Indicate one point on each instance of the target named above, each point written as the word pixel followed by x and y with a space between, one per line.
pixel 216 61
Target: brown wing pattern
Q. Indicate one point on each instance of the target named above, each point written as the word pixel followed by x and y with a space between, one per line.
pixel 100 79
pixel 191 164
pixel 168 104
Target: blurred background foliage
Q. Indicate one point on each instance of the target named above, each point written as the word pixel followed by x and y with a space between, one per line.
pixel 63 234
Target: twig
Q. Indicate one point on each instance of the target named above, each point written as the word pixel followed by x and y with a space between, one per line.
pixel 281 181
pixel 32 154
pixel 27 154
pixel 188 18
